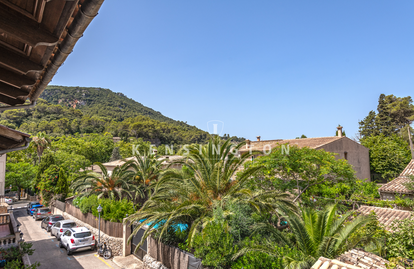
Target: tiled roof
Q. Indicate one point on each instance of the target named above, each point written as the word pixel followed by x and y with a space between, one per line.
pixel 166 160
pixel 396 185
pixel 353 259
pixel 385 216
pixel 314 143
pixel 408 170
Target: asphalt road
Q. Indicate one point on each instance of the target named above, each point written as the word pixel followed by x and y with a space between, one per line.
pixel 47 250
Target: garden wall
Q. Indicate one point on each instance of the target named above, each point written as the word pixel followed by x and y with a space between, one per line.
pixel 169 257
pixel 113 229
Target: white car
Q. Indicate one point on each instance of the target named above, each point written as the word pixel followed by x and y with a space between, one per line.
pixel 61 227
pixel 8 201
pixel 77 239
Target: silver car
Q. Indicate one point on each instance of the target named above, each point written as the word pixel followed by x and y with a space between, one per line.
pixel 41 213
pixel 76 239
pixel 62 226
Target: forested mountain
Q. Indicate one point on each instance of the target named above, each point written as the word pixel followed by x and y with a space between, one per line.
pixel 71 110
pixel 101 102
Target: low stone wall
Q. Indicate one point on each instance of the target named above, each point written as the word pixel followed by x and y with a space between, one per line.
pixel 151 263
pixel 114 243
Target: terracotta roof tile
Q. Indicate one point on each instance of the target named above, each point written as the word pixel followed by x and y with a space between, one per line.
pixel 353 259
pixel 385 216
pixel 396 185
pixel 408 170
pixel 314 143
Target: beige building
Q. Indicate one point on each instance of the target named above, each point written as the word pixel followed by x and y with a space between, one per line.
pixel 345 148
pixel 110 166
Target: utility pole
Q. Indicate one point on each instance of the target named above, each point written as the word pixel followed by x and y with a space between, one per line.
pixel 411 143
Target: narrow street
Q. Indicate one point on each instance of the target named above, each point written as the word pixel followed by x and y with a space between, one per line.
pixel 47 250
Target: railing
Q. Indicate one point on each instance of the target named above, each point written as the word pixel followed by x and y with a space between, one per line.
pixel 4 218
pixel 12 239
pixel 8 241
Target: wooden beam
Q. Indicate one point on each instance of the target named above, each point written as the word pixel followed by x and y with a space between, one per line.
pixel 16 80
pixel 11 91
pixel 6 143
pixel 11 134
pixel 10 101
pixel 17 62
pixel 28 31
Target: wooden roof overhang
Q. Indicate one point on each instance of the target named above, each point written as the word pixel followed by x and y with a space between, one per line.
pixel 12 140
pixel 36 37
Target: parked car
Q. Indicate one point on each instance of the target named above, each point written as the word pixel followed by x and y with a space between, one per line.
pixel 62 226
pixel 48 222
pixel 33 207
pixel 77 239
pixel 8 201
pixel 41 213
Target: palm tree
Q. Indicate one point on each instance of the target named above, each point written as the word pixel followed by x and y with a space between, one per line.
pixel 115 185
pixel 316 234
pixel 41 141
pixel 147 169
pixel 211 176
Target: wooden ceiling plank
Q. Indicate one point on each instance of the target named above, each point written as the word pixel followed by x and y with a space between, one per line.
pixel 10 101
pixel 19 26
pixel 11 91
pixel 16 80
pixel 10 134
pixel 17 62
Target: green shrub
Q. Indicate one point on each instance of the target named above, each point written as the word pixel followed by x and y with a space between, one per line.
pixel 215 245
pixel 112 210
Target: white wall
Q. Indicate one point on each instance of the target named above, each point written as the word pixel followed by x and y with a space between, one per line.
pixel 2 173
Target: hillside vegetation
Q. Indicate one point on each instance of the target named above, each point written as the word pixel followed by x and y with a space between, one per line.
pixel 71 110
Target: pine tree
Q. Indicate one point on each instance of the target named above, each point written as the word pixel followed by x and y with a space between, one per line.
pixel 368 126
pixel 62 186
pixel 116 155
pixel 383 120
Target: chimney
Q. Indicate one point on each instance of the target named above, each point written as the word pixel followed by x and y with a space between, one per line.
pixel 339 131
pixel 247 143
pixel 258 138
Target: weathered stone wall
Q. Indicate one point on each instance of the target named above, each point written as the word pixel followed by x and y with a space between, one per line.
pixel 151 263
pixel 114 243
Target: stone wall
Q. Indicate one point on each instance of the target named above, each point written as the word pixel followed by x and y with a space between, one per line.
pixel 151 263
pixel 114 243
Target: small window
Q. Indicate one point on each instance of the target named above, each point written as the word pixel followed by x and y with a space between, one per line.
pixel 69 225
pixel 57 225
pixel 68 233
pixel 57 218
pixel 82 235
pixel 346 155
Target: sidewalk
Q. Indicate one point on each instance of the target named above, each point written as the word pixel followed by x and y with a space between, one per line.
pixel 128 262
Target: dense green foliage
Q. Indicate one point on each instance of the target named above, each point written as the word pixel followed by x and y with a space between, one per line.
pixel 386 134
pixel 14 255
pixel 114 211
pixel 393 114
pixel 19 175
pixel 389 155
pixel 215 245
pixel 301 168
pixel 189 196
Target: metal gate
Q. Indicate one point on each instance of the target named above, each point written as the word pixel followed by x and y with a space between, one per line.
pixel 142 250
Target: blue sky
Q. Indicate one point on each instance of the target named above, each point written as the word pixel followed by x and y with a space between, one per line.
pixel 278 69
